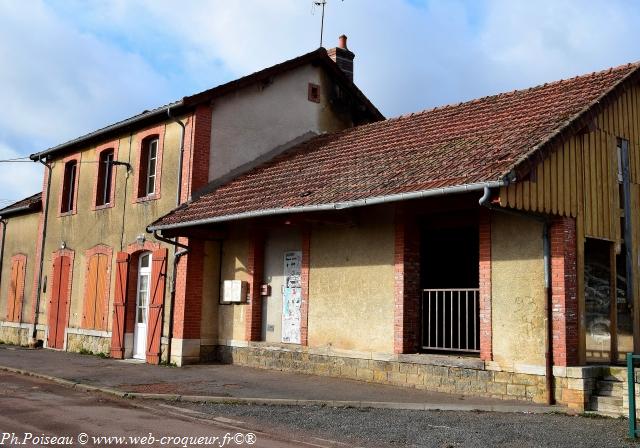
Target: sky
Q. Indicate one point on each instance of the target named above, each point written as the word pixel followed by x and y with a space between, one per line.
pixel 70 67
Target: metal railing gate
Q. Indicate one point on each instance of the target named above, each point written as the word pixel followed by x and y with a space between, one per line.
pixel 450 320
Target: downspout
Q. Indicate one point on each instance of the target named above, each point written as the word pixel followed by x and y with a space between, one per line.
pixel 177 254
pixel 42 245
pixel 4 234
pixel 548 304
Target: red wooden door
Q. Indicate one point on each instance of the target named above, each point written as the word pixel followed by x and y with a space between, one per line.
pixel 11 302
pixel 154 328
pixel 119 305
pixel 59 302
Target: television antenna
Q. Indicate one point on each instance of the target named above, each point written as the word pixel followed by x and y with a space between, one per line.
pixel 321 3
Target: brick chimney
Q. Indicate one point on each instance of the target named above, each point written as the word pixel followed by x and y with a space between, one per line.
pixel 343 57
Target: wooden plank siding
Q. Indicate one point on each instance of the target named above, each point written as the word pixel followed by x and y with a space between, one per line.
pixel 579 179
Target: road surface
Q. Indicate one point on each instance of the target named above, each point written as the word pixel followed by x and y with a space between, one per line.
pixel 36 412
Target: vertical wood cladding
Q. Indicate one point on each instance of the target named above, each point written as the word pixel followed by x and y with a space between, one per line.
pixel 580 180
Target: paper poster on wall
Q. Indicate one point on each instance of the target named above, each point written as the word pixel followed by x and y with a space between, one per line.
pixel 291 297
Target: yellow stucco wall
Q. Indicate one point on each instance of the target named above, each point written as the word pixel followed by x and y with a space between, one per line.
pixel 21 238
pixel 235 252
pixel 351 284
pixel 211 293
pixel 517 287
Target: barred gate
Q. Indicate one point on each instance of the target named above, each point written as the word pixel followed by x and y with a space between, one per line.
pixel 450 320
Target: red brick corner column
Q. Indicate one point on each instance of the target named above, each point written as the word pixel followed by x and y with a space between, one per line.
pixel 407 284
pixel 255 267
pixel 187 311
pixel 564 291
pixel 486 341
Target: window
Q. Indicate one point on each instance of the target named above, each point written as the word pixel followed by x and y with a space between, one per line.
pixel 313 93
pixel 148 167
pixel 105 170
pixel 69 186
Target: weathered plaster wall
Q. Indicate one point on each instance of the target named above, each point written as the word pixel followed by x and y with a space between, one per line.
pixel 517 284
pixel 351 284
pixel 255 120
pixel 21 238
pixel 211 294
pixel 235 252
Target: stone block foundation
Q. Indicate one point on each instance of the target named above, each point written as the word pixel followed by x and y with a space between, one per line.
pixel 467 376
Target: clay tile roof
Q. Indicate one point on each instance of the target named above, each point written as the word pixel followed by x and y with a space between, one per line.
pixel 27 205
pixel 475 142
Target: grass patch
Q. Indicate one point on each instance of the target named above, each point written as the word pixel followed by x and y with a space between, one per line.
pixel 84 351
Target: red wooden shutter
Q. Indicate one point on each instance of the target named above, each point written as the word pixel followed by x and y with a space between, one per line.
pixel 102 286
pixel 119 303
pixel 11 299
pixel 89 309
pixel 54 298
pixel 63 300
pixel 17 307
pixel 154 326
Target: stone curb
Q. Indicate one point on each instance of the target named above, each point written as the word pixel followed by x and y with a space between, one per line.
pixel 506 408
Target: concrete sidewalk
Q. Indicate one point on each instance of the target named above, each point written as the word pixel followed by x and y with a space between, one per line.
pixel 232 384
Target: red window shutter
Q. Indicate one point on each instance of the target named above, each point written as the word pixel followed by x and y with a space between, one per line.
pixel 89 309
pixel 154 326
pixel 63 300
pixel 17 309
pixel 102 289
pixel 54 298
pixel 119 303
pixel 11 299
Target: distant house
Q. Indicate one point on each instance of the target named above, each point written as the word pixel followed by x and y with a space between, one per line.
pixel 278 221
pixel 18 263
pixel 488 247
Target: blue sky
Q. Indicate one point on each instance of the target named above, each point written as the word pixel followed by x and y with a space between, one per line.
pixel 73 66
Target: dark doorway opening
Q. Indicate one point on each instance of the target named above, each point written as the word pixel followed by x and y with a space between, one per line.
pixel 449 279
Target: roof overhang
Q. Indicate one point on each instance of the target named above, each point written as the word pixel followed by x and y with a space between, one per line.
pixel 336 206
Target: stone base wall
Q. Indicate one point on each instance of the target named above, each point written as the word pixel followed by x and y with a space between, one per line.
pixel 15 335
pixel 99 345
pixel 88 343
pixel 439 378
pixel 573 386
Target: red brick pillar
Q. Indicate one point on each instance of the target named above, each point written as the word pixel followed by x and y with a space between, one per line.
pixel 187 311
pixel 189 286
pixel 255 267
pixel 564 295
pixel 486 343
pixel 407 284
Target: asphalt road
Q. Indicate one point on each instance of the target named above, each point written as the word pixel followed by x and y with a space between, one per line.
pixel 33 406
pixel 34 411
pixel 437 429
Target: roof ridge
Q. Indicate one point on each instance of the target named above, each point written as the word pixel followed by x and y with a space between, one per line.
pixel 513 92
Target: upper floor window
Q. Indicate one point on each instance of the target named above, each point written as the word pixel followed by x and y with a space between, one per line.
pixel 105 171
pixel 69 186
pixel 148 167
